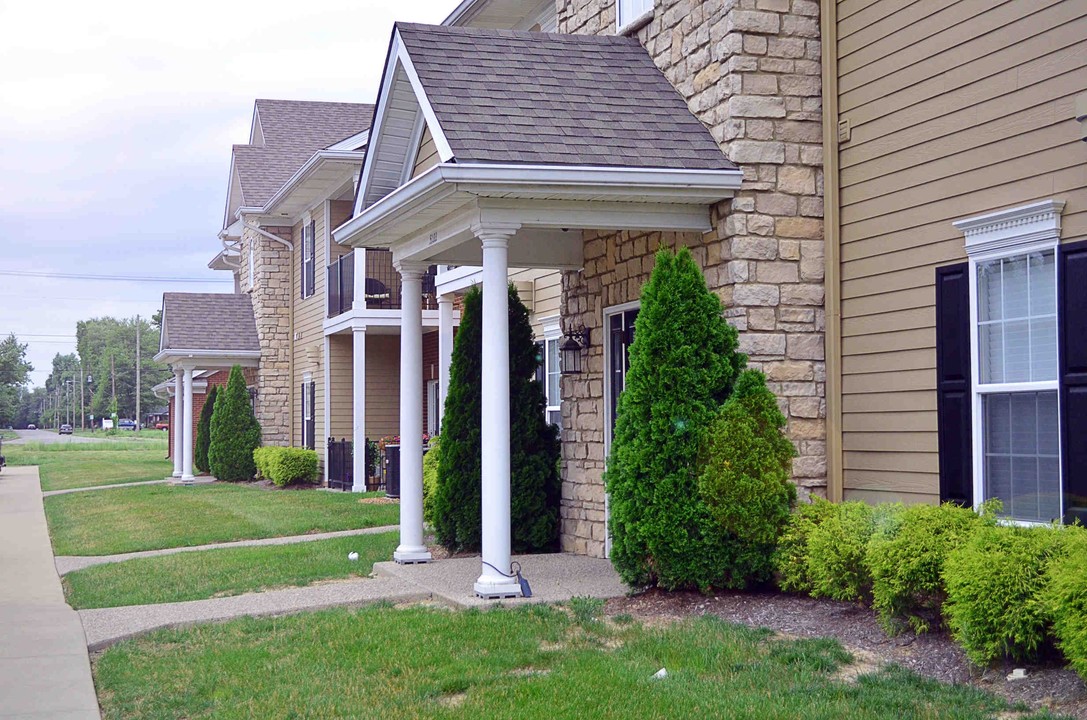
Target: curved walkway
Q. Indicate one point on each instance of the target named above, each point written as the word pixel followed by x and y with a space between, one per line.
pixel 44 668
pixel 70 563
pixel 554 578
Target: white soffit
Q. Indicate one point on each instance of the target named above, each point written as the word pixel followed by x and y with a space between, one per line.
pixel 396 133
pixel 1006 229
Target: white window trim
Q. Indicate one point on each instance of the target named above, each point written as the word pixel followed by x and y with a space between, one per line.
pixel 634 24
pixel 1017 231
pixel 309 255
pixel 252 264
pixel 551 333
pixel 308 411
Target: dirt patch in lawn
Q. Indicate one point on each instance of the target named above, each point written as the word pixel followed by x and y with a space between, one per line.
pixel 933 655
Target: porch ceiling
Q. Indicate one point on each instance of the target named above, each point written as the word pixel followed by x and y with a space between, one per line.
pixel 433 218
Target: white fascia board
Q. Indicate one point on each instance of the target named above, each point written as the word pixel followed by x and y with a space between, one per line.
pixel 229 190
pixel 445 153
pixel 463 12
pixel 353 143
pixel 233 231
pixel 361 318
pixel 388 77
pixel 694 186
pixel 457 279
pixel 315 162
pixel 172 355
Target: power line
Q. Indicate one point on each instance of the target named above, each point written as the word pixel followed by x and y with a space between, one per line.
pixel 44 335
pixel 112 278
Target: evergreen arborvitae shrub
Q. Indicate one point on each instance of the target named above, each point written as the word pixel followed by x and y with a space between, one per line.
pixel 745 480
pixel 995 588
pixel 838 550
pixel 906 561
pixel 235 433
pixel 683 363
pixel 430 479
pixel 203 431
pixel 535 484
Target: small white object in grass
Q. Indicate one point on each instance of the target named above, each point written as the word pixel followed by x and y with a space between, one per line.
pixel 352 556
pixel 1018 674
pixel 659 675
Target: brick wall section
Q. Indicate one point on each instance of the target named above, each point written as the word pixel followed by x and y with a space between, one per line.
pixel 271 292
pixel 750 70
pixel 220 379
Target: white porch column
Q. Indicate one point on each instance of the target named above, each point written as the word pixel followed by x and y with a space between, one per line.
pixel 178 420
pixel 358 409
pixel 326 411
pixel 187 444
pixel 492 582
pixel 445 351
pixel 411 548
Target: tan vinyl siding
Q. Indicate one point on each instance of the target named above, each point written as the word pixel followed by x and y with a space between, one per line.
pixel 427 157
pixel 340 212
pixel 307 331
pixel 956 109
pixel 382 385
pixel 341 387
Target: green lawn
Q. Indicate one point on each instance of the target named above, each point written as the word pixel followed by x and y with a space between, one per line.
pixel 73 465
pixel 529 663
pixel 215 573
pixel 151 517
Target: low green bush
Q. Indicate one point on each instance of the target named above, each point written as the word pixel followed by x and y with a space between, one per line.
pixel 906 561
pixel 745 478
pixel 1065 598
pixel 995 583
pixel 431 462
pixel 790 559
pixel 838 549
pixel 286 465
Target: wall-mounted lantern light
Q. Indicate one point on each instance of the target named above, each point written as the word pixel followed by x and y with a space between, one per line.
pixel 572 349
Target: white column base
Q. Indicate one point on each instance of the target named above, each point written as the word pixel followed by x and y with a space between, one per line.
pixel 497 588
pixel 188 479
pixel 176 474
pixel 412 555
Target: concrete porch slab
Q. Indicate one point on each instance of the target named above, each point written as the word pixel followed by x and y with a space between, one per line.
pixel 554 577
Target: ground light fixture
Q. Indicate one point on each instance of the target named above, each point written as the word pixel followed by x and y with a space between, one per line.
pixel 572 349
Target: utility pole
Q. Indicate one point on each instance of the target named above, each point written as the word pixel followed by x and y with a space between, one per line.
pixel 113 377
pixel 82 416
pixel 137 418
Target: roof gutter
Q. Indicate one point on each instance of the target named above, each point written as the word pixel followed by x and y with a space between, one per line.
pixel 307 169
pixel 171 352
pixel 702 185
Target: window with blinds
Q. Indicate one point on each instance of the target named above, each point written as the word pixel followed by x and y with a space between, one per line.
pixel 1017 384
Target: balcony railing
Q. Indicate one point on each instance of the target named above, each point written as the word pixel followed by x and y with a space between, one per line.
pixel 382 286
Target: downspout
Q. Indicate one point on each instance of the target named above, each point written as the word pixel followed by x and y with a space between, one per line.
pixel 263 233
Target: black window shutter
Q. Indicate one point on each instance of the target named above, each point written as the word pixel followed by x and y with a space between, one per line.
pixel 302 264
pixel 953 396
pixel 1072 316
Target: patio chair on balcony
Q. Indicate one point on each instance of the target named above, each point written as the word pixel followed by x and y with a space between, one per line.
pixel 377 293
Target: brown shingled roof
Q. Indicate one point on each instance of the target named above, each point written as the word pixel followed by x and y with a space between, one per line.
pixel 208 321
pixel 293 130
pixel 508 96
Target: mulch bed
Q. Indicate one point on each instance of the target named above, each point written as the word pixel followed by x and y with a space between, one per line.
pixel 932 655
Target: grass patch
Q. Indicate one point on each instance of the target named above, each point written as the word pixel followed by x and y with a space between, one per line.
pixel 152 517
pixel 532 662
pixel 63 465
pixel 8 435
pixel 214 573
pixel 126 435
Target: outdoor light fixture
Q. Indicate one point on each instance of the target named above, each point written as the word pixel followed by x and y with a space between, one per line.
pixel 572 348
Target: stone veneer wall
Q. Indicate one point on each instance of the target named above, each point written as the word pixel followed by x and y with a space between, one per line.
pixel 271 293
pixel 750 70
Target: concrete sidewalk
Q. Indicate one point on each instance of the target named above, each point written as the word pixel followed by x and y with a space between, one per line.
pixel 44 668
pixel 69 563
pixel 554 578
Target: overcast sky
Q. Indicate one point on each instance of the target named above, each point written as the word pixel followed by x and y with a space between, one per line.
pixel 116 121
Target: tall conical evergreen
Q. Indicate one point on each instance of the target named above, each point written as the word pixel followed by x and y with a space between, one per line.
pixel 235 433
pixel 535 485
pixel 683 363
pixel 203 431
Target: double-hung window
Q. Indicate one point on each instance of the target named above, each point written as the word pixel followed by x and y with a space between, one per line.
pixel 549 373
pixel 309 246
pixel 309 417
pixel 1012 367
pixel 633 12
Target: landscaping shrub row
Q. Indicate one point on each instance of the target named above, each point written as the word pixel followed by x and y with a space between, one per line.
pixel 286 465
pixel 1003 591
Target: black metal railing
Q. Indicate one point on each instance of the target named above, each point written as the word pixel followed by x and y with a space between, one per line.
pixel 341 285
pixel 382 286
pixel 340 460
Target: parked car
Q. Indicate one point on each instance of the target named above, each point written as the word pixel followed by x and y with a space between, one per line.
pixel 126 424
pixel 65 429
pixel 31 426
pixel 162 426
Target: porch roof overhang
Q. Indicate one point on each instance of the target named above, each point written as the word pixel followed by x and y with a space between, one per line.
pixel 324 175
pixel 432 218
pixel 207 359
